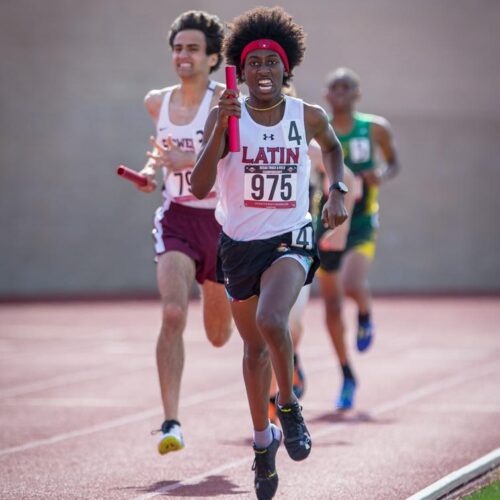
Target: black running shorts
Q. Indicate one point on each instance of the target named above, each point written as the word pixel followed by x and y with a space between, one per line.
pixel 240 264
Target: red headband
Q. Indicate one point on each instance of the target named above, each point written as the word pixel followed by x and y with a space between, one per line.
pixel 265 44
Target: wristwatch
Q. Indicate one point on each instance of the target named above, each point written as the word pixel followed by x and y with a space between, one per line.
pixel 339 186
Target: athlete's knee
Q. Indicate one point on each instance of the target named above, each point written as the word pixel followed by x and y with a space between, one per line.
pixel 173 317
pixel 354 290
pixel 255 355
pixel 219 335
pixel 333 307
pixel 271 324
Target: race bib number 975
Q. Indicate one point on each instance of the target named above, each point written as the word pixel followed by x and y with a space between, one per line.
pixel 270 186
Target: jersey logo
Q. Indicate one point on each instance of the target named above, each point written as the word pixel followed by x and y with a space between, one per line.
pixel 270 136
pixel 185 143
pixel 272 155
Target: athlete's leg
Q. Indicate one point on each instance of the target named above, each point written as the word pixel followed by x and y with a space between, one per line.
pixel 256 361
pixel 216 313
pixel 331 292
pixel 280 287
pixel 297 314
pixel 355 279
pixel 175 275
pixel 296 331
pixel 333 243
pixel 355 269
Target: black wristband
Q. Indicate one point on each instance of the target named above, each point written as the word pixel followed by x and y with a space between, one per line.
pixel 338 186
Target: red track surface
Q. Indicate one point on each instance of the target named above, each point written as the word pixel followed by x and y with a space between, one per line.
pixel 79 397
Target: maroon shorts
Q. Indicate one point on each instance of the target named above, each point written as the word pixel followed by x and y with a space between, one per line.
pixel 191 231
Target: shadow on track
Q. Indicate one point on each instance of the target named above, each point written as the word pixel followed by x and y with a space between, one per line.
pixel 349 417
pixel 211 486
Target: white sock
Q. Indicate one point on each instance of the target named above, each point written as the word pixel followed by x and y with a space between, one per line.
pixel 263 439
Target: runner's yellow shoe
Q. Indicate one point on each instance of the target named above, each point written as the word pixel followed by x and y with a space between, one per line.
pixel 171 437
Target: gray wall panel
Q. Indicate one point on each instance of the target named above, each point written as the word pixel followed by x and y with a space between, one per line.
pixel 73 76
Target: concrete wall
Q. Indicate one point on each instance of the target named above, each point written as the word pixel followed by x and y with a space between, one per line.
pixel 73 75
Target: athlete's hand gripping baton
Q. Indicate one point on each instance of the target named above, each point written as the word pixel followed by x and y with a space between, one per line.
pixel 132 176
pixel 233 124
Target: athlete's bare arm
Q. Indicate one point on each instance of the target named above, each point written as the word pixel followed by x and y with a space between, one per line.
pixel 318 128
pixel 314 153
pixel 170 155
pixel 214 144
pixel 173 157
pixel 152 102
pixel 383 138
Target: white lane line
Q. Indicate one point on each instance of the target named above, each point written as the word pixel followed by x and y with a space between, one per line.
pixel 460 408
pixel 135 417
pixel 92 374
pixel 439 386
pixel 459 477
pixel 411 397
pixel 81 432
pixel 69 378
pixel 71 402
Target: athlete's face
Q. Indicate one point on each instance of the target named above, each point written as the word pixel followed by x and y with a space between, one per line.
pixel 189 54
pixel 341 94
pixel 263 74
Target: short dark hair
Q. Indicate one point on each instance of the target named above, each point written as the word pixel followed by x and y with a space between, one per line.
pixel 343 73
pixel 209 24
pixel 265 22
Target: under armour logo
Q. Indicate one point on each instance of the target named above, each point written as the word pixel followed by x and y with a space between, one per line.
pixel 270 136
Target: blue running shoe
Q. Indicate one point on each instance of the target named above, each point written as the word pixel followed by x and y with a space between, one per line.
pixel 346 397
pixel 364 336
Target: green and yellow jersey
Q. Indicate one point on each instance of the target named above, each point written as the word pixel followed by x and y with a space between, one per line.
pixel 359 156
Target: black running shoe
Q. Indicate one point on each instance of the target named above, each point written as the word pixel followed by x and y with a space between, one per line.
pixel 297 438
pixel 264 465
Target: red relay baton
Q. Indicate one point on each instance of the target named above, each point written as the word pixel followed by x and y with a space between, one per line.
pixel 132 175
pixel 233 125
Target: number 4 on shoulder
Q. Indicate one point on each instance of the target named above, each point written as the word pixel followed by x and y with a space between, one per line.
pixel 292 133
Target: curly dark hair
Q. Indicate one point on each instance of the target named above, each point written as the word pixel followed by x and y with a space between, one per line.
pixel 265 22
pixel 209 24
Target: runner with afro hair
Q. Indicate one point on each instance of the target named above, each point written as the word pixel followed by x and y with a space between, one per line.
pixel 267 251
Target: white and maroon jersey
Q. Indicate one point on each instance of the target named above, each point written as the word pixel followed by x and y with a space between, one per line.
pixel 264 188
pixel 177 185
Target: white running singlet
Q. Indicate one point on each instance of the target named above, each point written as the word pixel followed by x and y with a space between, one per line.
pixel 264 188
pixel 177 185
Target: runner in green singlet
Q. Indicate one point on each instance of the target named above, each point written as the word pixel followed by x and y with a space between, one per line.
pixel 346 273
